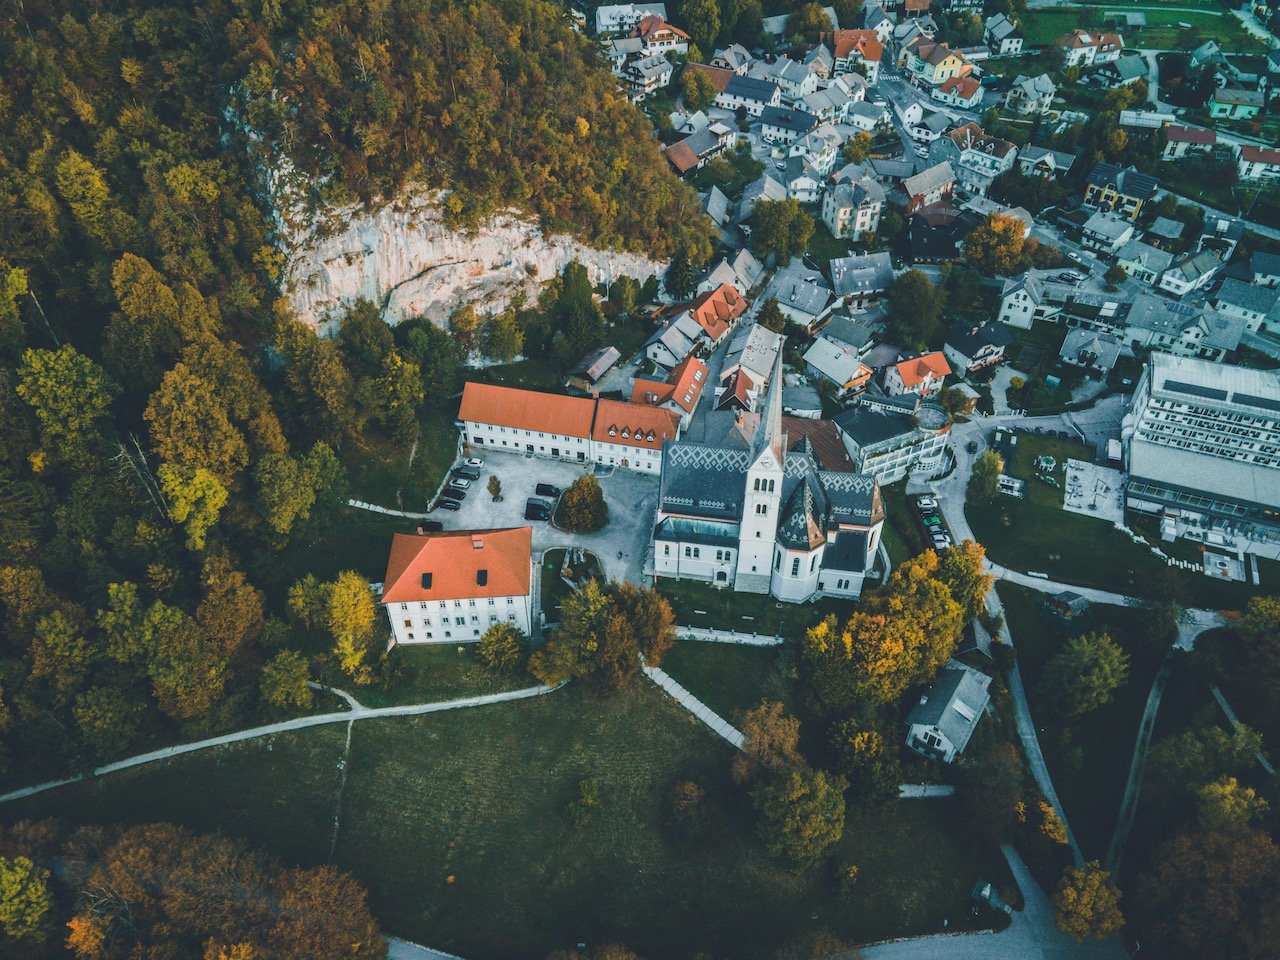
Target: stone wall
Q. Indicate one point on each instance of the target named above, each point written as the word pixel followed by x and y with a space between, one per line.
pixel 406 259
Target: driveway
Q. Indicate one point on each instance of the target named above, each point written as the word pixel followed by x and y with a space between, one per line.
pixel 632 498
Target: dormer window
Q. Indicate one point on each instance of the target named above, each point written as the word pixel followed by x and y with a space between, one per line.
pixel 613 431
pixel 626 434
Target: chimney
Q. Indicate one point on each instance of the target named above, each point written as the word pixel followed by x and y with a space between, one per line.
pixel 477 543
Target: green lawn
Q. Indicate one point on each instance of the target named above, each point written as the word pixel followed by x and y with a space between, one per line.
pixel 823 246
pixel 437 671
pixel 530 374
pixel 1161 32
pixel 351 540
pixel 729 678
pixel 1089 761
pixel 481 796
pixel 702 605
pixel 901 536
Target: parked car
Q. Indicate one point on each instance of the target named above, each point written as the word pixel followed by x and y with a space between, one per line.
pixel 547 490
pixel 932 521
pixel 466 473
pixel 927 502
pixel 459 483
pixel 535 509
pixel 446 504
pixel 430 526
pixel 454 495
pixel 474 462
pixel 941 540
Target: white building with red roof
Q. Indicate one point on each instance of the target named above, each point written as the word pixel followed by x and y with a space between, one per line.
pixel 922 375
pixel 679 393
pixel 1082 47
pixel 658 36
pixel 452 586
pixel 1258 163
pixel 1181 140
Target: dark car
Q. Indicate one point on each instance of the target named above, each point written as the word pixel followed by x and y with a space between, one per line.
pixel 430 526
pixel 547 490
pixel 466 473
pixel 535 509
pixel 449 505
pixel 457 495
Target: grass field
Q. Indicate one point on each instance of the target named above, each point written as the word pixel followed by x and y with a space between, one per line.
pixel 728 678
pixel 481 796
pixel 437 671
pixel 702 605
pixel 1089 761
pixel 901 537
pixel 1160 32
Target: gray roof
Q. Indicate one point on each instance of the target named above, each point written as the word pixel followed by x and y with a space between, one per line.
pixel 1127 180
pixel 868 273
pixel 797 121
pixel 953 703
pixel 800 289
pixel 935 121
pixel 1167 227
pixel 1000 26
pixel 653 66
pixel 867 426
pixel 716 206
pixel 969 340
pixel 1108 225
pixel 1089 348
pixel 750 88
pixel 1130 68
pixel 1195 265
pixel 1036 87
pixel 848 331
pixel 1247 296
pixel 836 361
pixel 930 179
pixel 766 188
pixel 1265 264
pixel 1061 159
pixel 892 169
pixel 1153 258
pixel 861 108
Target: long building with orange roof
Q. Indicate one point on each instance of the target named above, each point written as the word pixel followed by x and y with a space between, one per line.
pixel 452 586
pixel 558 427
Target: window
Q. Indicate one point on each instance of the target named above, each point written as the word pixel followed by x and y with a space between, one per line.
pixel 762 509
pixel 474 618
pixel 666 549
pixel 697 553
pixel 688 552
pixel 795 566
pixel 460 621
pixel 457 604
pixel 471 603
pixel 411 636
pixel 422 606
pixel 404 607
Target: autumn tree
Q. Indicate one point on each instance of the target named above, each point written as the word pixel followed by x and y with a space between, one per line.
pixel 991 791
pixel 801 814
pixel 771 743
pixel 61 653
pixel 1087 903
pixel 503 647
pixel 997 245
pixel 231 609
pixel 914 315
pixel 857 148
pixel 809 22
pixel 780 229
pixel 351 616
pixel 699 91
pixel 25 899
pixel 866 754
pixel 961 568
pixel 1083 675
pixel 701 18
pixel 582 507
pixel 984 479
pixel 771 316
pixel 1225 805
pixel 288 487
pixel 195 498
pixel 145 337
pixel 285 680
pixel 190 427
pixel 108 719
pixel 70 396
pixel 1115 275
pixel 318 384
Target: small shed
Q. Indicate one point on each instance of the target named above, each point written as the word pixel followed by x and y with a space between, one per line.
pixel 1068 604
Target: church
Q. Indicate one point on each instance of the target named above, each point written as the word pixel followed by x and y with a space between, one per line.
pixel 766 504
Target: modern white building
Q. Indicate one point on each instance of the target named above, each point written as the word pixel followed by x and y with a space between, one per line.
pixel 890 437
pixel 765 517
pixel 452 586
pixel 1202 451
pixel 622 17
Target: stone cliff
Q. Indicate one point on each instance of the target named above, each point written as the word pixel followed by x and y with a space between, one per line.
pixel 406 259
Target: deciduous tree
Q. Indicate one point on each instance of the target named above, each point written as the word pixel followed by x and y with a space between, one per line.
pixel 1088 903
pixel 285 680
pixel 801 814
pixel 351 618
pixel 984 479
pixel 1084 674
pixel 808 22
pixel 108 719
pixel 997 245
pixel 195 497
pixel 701 18
pixel 771 316
pixel 781 229
pixel 1227 806
pixel 25 899
pixel 699 91
pixel 503 647
pixel 914 314
pixel 190 427
pixel 582 507
pixel 70 396
pixel 961 569
pixel 771 744
pixel 503 339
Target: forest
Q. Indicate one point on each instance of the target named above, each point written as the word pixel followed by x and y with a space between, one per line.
pixel 172 441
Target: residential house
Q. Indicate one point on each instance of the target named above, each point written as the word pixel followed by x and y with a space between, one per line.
pixel 453 585
pixel 976 157
pixel 647 74
pixel 742 271
pixel 718 76
pixel 1190 271
pixel 890 437
pixel 940 726
pixel 679 393
pixel 579 429
pixel 929 126
pixel 876 20
pixel 1031 297
pixel 978 208
pixel 1030 95
pixel 1265 268
pixel 855 51
pixel 694 151
pixel 1002 36
pixel 1165 232
pixel 820 62
pixel 1255 305
pixel 838 363
pixel 1143 261
pixel 1106 232
pixel 861 280
pixel 890 173
pixel 767 187
pixel 1042 162
pixel 802 294
pixel 621 51
pixel 866 116
pixel 734 57
pixel 621 17
pixel 1235 103
pixel 932 64
pixel 1258 163
pixel 934 234
pixel 962 92
pixel 781 125
pixel 848 332
pixel 803 180
pixel 717 207
pixel 915 28
pixel 1081 48
pixel 1094 354
pixel 674 340
pixel 658 36
pixel 821 148
pixel 930 186
pixel 851 209
pixel 753 350
pixel 793 79
pixel 970 347
pixel 749 94
pixel 922 375
pixel 1122 189
pixel 1180 140
pixel 831 103
pixel 1116 73
pixel 1159 323
pixel 716 311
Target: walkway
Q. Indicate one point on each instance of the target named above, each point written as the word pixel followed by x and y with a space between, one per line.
pixel 284 726
pixel 925 791
pixel 1234 720
pixel 728 636
pixel 718 724
pixel 398 949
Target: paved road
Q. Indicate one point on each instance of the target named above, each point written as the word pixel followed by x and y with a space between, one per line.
pixel 298 723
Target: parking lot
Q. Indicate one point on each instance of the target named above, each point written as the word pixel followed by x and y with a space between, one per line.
pixel 931 522
pixel 621 546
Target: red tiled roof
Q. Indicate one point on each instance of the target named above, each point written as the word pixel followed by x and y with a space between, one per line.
pixel 527 409
pixel 1259 155
pixel 654 24
pixel 917 6
pixel 973 137
pixel 634 424
pixel 717 75
pixel 1190 135
pixel 966 86
pixel 716 310
pixel 450 565
pixel 681 157
pixel 845 42
pixel 1080 39
pixel 918 369
pixel 683 387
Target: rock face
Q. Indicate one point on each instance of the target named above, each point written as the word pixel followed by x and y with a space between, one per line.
pixel 406 259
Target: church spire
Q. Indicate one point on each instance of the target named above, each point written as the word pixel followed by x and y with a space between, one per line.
pixel 769 433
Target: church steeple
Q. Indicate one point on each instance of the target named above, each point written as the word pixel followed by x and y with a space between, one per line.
pixel 769 435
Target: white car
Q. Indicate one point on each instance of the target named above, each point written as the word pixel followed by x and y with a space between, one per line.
pixel 474 462
pixel 459 483
pixel 927 502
